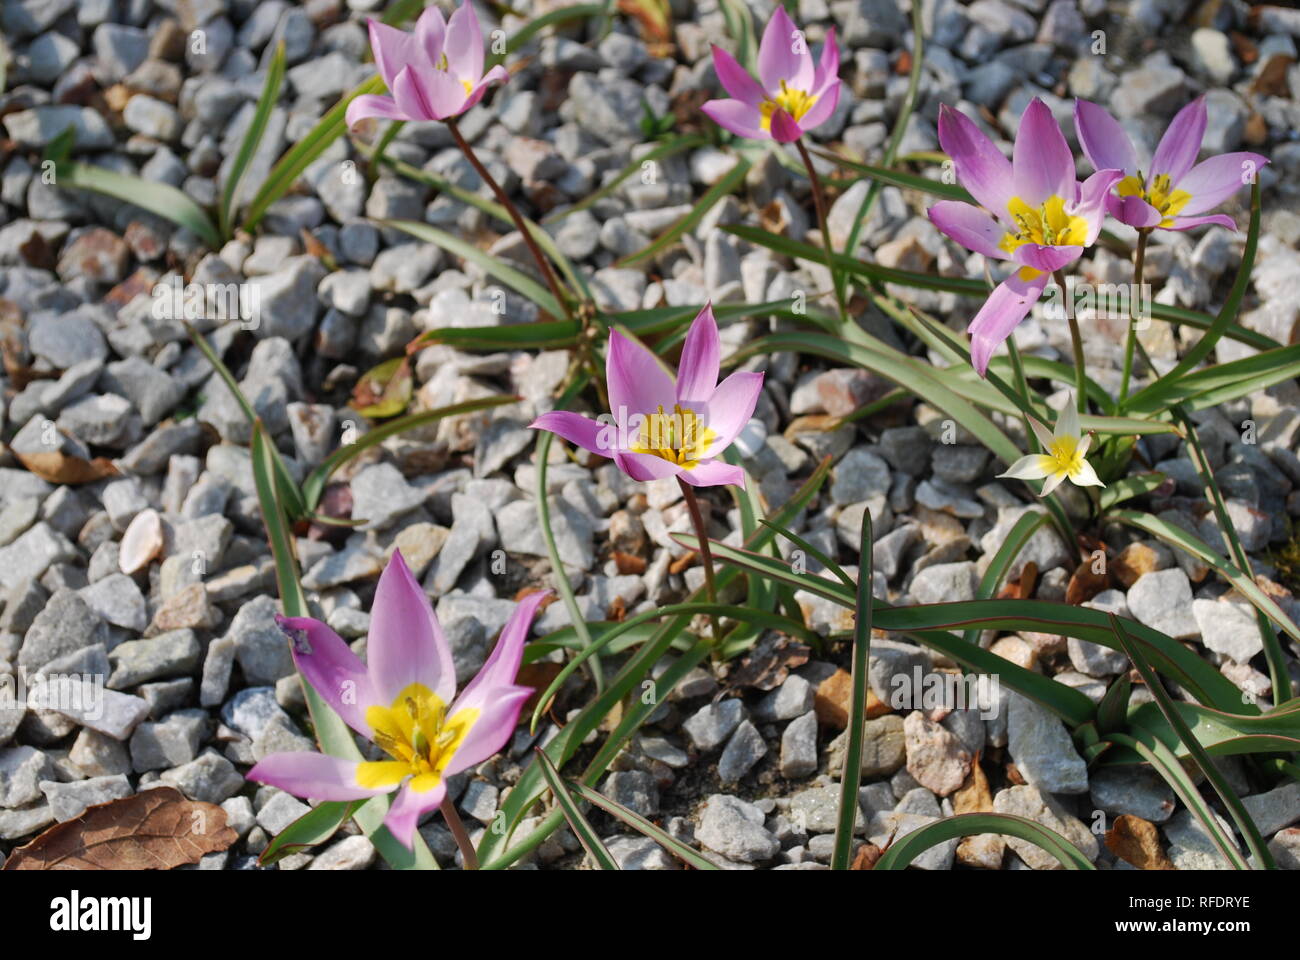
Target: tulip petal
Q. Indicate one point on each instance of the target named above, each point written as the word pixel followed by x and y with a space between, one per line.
pixel 821 111
pixel 1054 481
pixel 464 47
pixel 697 373
pixel 981 167
pixel 1091 202
pixel 372 105
pixel 777 59
pixel 735 79
pixel 1031 467
pixel 828 66
pixel 430 33
pixel 1005 307
pixel 328 664
pixel 1133 210
pixel 1042 433
pixel 393 49
pixel 785 129
pixel 1177 150
pixel 491 729
pixel 645 467
pixel 730 407
pixel 1190 223
pixel 1045 258
pixel 577 429
pixel 494 76
pixel 1086 476
pixel 738 117
pixel 714 473
pixel 1212 181
pixel 637 381
pixel 406 644
pixel 1104 141
pixel 1042 163
pixel 970 226
pixel 1067 424
pixel 411 95
pixel 502 665
pixel 314 776
pixel 408 807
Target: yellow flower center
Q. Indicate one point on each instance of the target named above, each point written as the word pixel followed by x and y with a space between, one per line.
pixel 445 66
pixel 792 101
pixel 1063 457
pixel 679 437
pixel 1048 226
pixel 419 736
pixel 1167 201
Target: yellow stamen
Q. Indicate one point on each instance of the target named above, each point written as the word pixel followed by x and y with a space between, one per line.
pixel 792 101
pixel 1167 201
pixel 1049 225
pixel 419 736
pixel 679 437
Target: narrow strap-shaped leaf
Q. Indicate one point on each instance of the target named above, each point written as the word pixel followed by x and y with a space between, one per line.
pixel 252 137
pixel 309 830
pixel 851 777
pixel 582 829
pixel 906 849
pixel 644 827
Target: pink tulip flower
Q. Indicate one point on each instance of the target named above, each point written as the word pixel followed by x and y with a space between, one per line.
pixel 404 700
pixel 1041 219
pixel 795 95
pixel 433 74
pixel 661 426
pixel 1176 187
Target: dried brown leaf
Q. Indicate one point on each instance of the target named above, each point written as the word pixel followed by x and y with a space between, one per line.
pixel 769 663
pixel 1137 841
pixel 58 467
pixel 974 796
pixel 154 830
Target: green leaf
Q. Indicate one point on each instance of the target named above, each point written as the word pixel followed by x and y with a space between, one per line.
pixel 996 572
pixel 729 182
pixel 252 138
pixel 1220 733
pixel 1224 382
pixel 583 830
pixel 309 830
pixel 740 26
pixel 851 777
pixel 158 198
pixel 1121 490
pixel 644 827
pixel 493 266
pixel 1112 712
pixel 1193 746
pixel 906 849
pixel 391 384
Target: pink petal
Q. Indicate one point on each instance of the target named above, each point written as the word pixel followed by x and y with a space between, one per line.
pixel 372 105
pixel 393 49
pixel 697 373
pixel 411 95
pixel 970 226
pixel 1104 141
pixel 465 43
pixel 406 644
pixel 738 117
pixel 492 728
pixel 1190 223
pixel 645 467
pixel 1042 163
pixel 730 407
pixel 494 76
pixel 1134 211
pixel 784 127
pixel 333 670
pixel 1046 258
pixel 735 79
pixel 407 809
pixel 1212 181
pixel 577 429
pixel 430 32
pixel 1092 199
pixel 638 383
pixel 714 473
pixel 828 67
pixel 1177 150
pixel 502 665
pixel 981 167
pixel 821 111
pixel 777 59
pixel 1005 307
pixel 312 775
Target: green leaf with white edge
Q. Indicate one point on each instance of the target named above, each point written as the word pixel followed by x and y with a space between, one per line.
pixel 813 551
pixel 851 775
pixel 581 828
pixel 314 485
pixel 725 185
pixel 516 279
pixel 1178 537
pixel 907 848
pixel 1195 751
pixel 161 199
pixel 644 827
pixel 309 830
pixel 1224 382
pixel 252 138
pixel 991 582
pixel 1222 734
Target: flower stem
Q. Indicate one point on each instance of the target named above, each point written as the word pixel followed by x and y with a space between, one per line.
pixel 819 203
pixel 457 828
pixel 515 215
pixel 1076 339
pixel 1139 260
pixel 697 518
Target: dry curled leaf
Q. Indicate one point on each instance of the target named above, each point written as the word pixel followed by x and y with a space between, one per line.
pixel 155 830
pixel 1086 583
pixel 866 857
pixel 974 796
pixel 58 467
pixel 769 663
pixel 1137 841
